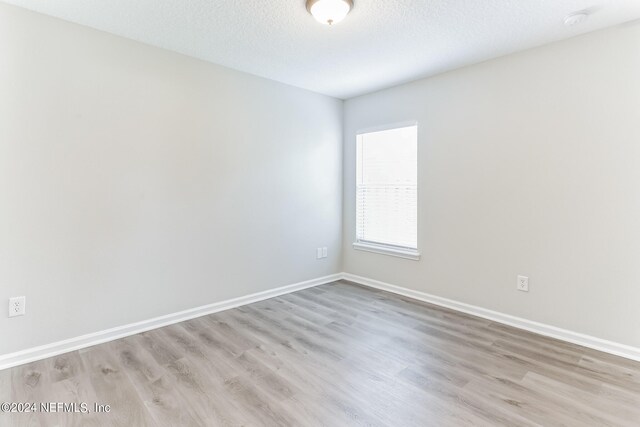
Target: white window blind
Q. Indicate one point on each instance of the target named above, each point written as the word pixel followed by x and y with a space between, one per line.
pixel 387 188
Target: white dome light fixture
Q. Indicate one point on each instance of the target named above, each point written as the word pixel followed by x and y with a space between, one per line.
pixel 576 18
pixel 329 12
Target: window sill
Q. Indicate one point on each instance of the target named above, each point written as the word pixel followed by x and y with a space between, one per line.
pixel 386 250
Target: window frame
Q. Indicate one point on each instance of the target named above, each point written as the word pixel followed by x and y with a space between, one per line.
pixel 376 247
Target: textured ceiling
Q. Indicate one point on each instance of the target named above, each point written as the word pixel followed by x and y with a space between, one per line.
pixel 381 43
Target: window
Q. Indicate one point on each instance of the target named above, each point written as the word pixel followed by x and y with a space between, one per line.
pixel 387 192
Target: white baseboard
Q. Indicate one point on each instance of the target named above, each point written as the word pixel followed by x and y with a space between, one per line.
pixel 606 346
pixel 56 348
pixel 88 340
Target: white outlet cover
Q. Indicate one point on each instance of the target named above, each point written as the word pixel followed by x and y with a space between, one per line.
pixel 324 252
pixel 523 283
pixel 319 253
pixel 17 306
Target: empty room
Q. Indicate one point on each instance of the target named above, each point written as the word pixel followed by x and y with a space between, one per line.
pixel 319 213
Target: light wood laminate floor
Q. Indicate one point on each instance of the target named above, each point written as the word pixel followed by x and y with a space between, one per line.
pixel 334 355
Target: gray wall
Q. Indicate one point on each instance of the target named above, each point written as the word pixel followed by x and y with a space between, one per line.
pixel 136 182
pixel 528 164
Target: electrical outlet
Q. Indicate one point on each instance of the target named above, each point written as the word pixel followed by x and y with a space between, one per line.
pixel 17 306
pixel 324 252
pixel 319 253
pixel 523 283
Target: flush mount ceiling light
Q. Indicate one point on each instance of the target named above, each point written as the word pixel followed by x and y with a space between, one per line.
pixel 329 12
pixel 576 18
